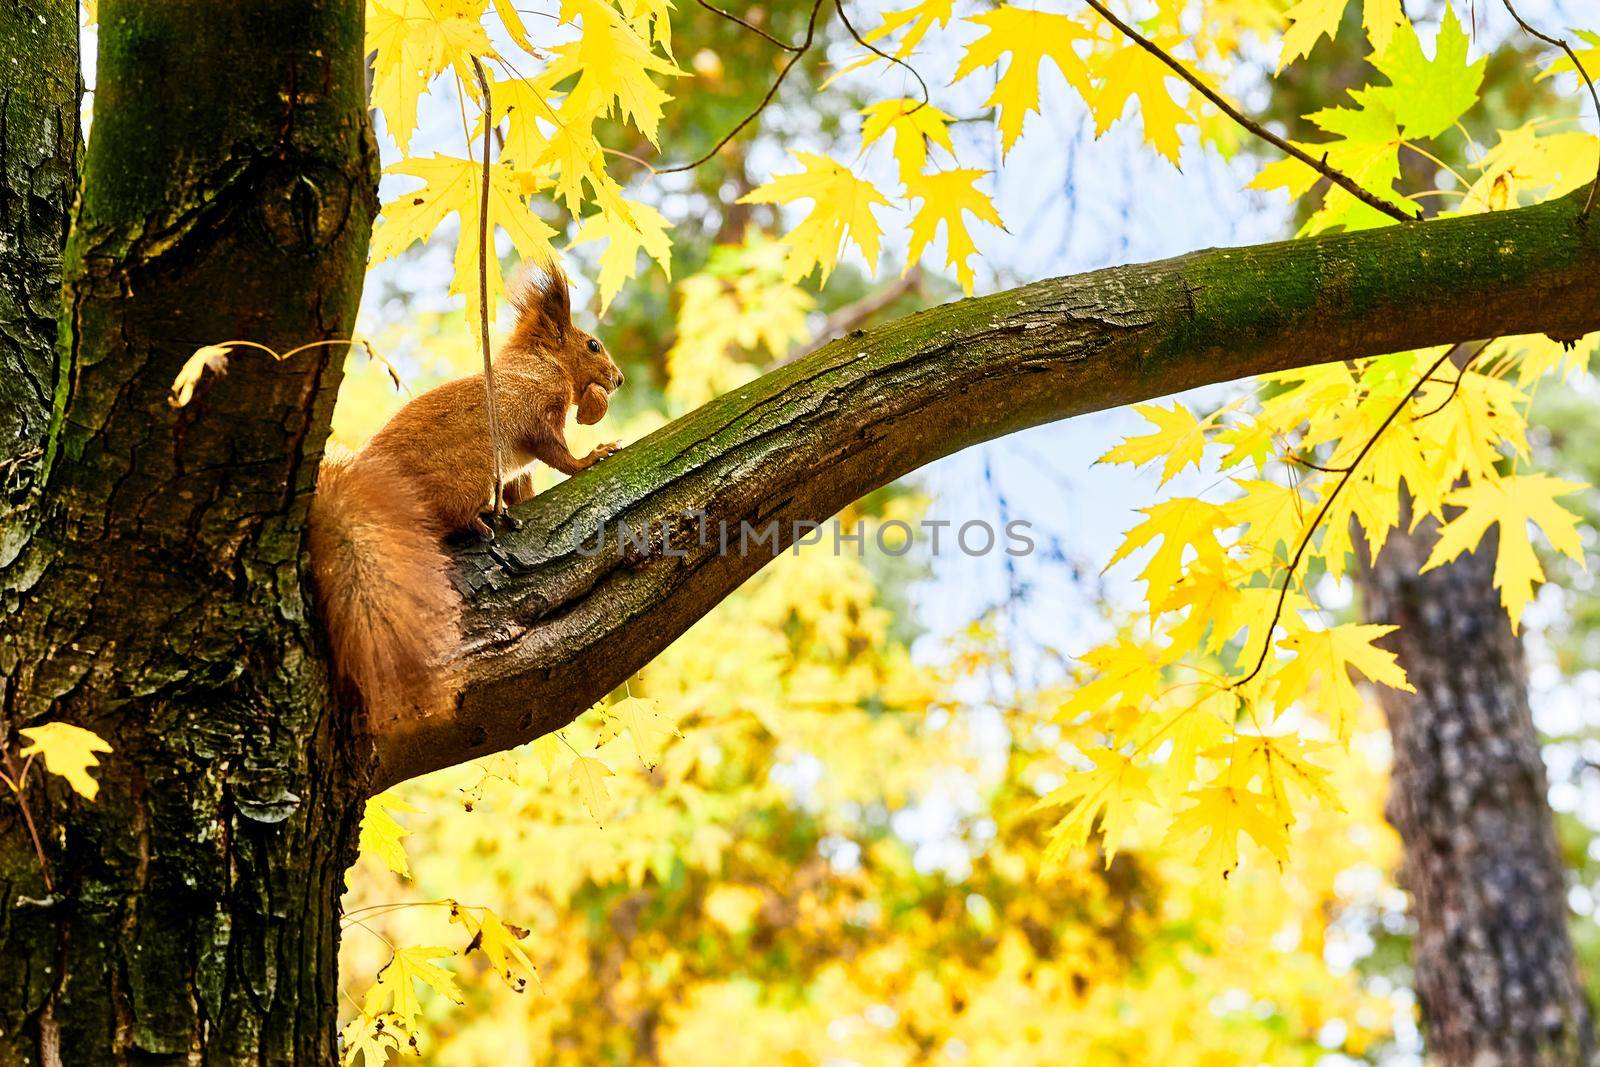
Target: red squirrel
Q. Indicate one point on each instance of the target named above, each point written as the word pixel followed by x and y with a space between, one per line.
pixel 379 518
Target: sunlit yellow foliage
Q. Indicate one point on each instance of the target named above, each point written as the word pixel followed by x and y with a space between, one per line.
pixel 739 309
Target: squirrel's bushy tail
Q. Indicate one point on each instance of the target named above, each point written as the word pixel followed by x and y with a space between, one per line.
pixel 384 587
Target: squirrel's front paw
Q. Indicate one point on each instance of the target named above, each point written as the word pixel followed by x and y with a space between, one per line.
pixel 602 451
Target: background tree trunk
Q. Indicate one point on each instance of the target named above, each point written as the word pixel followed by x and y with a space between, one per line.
pixel 153 590
pixel 1495 971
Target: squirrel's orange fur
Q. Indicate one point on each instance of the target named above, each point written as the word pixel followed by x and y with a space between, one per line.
pixel 379 518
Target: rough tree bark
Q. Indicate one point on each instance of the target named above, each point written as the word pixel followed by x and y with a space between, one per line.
pixel 38 174
pixel 151 579
pixel 152 587
pixel 1496 975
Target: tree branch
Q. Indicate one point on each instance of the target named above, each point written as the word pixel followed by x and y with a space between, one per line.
pixel 856 315
pixel 1333 174
pixel 550 630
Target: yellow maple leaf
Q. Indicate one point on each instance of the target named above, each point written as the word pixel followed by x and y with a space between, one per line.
pixel 1028 37
pixel 916 20
pixel 1126 672
pixel 652 16
pixel 1381 18
pixel 1274 517
pixel 452 186
pixel 587 776
pixel 67 751
pixel 1210 591
pixel 1309 21
pixel 1589 56
pixel 550 753
pixel 511 19
pixel 382 835
pixel 913 125
pixel 1109 794
pixel 1325 658
pixel 394 993
pixel 522 104
pixel 613 64
pixel 1464 432
pixel 213 358
pixel 1221 814
pixel 642 229
pixel 369 1044
pixel 644 721
pixel 841 209
pixel 1132 73
pixel 1511 503
pixel 412 41
pixel 1532 160
pixel 1182 523
pixel 498 940
pixel 574 155
pixel 1279 761
pixel 946 197
pixel 1179 436
pixel 1371 499
pixel 1193 729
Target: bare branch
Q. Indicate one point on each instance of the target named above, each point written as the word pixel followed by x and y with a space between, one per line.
pixel 495 445
pixel 1577 65
pixel 1348 472
pixel 1321 166
pixel 552 625
pixel 881 54
pixel 799 53
pixel 752 27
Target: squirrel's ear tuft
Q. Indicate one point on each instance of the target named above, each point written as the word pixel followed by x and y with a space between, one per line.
pixel 543 300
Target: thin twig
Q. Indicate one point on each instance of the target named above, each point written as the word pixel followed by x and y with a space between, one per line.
pixel 752 27
pixel 799 53
pixel 1303 462
pixel 853 316
pixel 483 290
pixel 1322 512
pixel 1321 166
pixel 18 460
pixel 881 54
pixel 1455 386
pixel 18 782
pixel 1577 64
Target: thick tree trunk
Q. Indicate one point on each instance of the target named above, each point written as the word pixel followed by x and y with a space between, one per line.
pixel 1495 970
pixel 38 175
pixel 152 591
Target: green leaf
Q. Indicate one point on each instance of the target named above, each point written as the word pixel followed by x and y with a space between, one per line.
pixel 1428 96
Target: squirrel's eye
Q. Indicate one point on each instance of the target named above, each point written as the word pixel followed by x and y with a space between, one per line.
pixel 594 346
